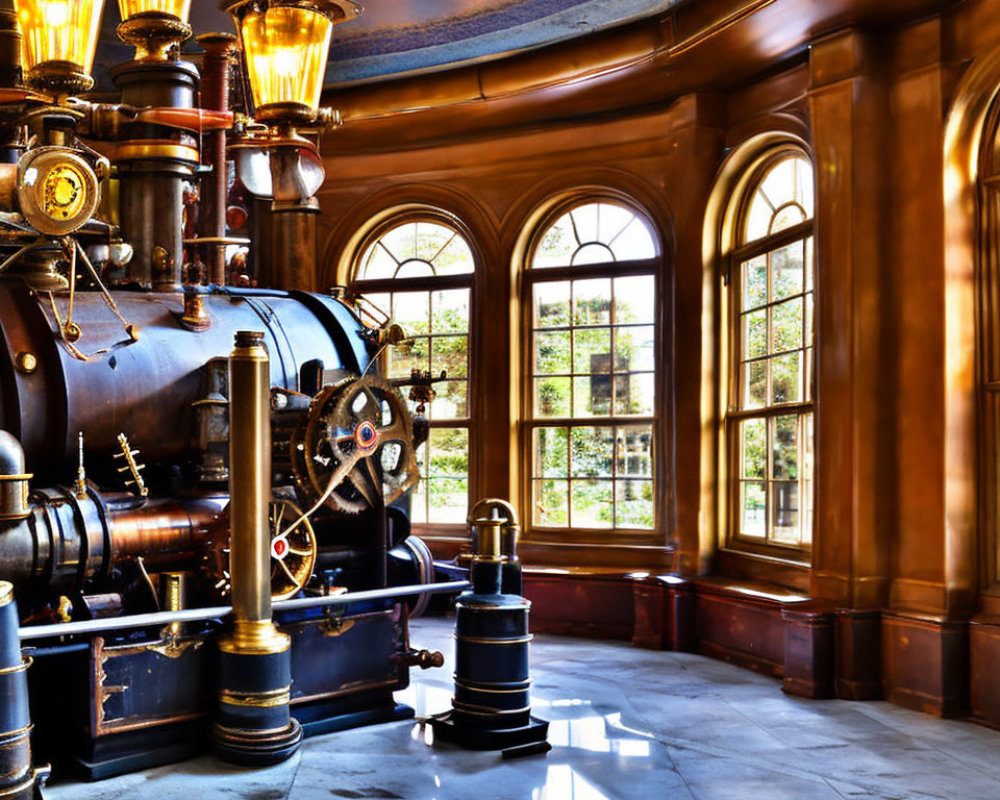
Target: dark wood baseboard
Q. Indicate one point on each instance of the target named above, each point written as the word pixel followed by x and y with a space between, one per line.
pixel 809 650
pixel 859 654
pixel 984 655
pixel 925 662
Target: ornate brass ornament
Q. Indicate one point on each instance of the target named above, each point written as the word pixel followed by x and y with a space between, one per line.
pixel 57 190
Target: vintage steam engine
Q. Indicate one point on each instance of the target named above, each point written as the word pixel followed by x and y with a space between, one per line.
pixel 177 442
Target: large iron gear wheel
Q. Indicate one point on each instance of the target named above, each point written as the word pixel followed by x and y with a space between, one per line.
pixel 361 420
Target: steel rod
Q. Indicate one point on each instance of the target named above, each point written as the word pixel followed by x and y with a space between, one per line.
pixel 32 632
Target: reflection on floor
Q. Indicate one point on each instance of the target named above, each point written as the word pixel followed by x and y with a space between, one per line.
pixel 626 723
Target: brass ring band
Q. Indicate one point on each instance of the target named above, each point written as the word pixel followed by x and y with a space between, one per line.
pixel 272 699
pixel 487 712
pixel 137 151
pixel 478 640
pixel 469 688
pixel 16 791
pixel 27 476
pixel 24 665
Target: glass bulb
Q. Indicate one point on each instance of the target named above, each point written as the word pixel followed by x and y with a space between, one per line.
pixel 59 30
pixel 286 49
pixel 178 8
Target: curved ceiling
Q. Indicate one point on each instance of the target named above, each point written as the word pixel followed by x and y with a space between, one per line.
pixel 395 37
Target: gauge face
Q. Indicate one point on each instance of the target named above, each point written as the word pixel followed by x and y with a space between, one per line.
pixel 65 192
pixel 57 190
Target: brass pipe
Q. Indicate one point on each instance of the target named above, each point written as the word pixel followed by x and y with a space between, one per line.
pixel 250 492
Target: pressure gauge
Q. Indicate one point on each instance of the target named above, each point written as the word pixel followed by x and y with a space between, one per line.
pixel 57 190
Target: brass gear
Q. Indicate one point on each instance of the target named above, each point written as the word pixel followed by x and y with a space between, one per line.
pixel 293 552
pixel 329 442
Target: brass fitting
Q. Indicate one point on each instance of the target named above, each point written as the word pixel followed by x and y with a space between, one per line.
pixel 250 493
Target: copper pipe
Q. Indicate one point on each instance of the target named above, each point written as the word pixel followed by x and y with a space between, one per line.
pixel 166 533
pixel 220 49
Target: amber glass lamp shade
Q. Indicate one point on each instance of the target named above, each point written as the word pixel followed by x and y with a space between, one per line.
pixel 175 8
pixel 59 39
pixel 286 49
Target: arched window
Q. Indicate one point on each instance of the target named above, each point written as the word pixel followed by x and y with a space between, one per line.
pixel 769 426
pixel 418 268
pixel 590 315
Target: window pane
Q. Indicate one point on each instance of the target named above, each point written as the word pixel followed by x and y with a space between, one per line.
pixel 634 393
pixel 634 504
pixel 377 262
pixel 754 384
pixel 593 253
pixel 592 396
pixel 552 397
pixel 634 453
pixel 593 504
pixel 591 452
pixel 634 348
pixel 552 353
pixel 755 334
pixel 592 302
pixel 448 499
pixel 755 282
pixel 758 218
pixel 449 452
pixel 785 438
pixel 451 355
pixel 450 311
pixel 551 503
pixel 785 512
pixel 452 400
pixel 635 299
pixel 779 182
pixel 403 360
pixel 786 271
pixel 551 304
pixel 591 350
pixel 786 384
pixel 557 246
pixel 786 326
pixel 753 435
pixel 787 216
pixel 412 311
pixel 551 454
pixel 752 511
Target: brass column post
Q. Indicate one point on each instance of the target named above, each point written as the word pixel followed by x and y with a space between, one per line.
pixel 253 726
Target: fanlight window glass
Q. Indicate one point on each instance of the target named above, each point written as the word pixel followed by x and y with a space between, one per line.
pixel 596 233
pixel 420 273
pixel 417 250
pixel 592 291
pixel 770 426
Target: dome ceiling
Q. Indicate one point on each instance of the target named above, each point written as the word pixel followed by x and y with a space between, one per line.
pixel 394 37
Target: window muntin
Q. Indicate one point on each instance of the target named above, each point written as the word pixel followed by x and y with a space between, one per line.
pixel 591 290
pixel 770 425
pixel 433 265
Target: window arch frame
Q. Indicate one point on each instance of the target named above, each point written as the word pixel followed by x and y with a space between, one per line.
pixel 377 227
pixel 531 236
pixel 735 252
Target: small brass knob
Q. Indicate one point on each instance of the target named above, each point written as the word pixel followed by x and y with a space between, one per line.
pixel 26 362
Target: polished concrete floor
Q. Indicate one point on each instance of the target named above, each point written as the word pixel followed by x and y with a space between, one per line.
pixel 625 723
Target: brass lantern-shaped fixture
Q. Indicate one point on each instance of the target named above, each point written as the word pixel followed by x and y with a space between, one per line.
pixel 154 27
pixel 285 47
pixel 59 39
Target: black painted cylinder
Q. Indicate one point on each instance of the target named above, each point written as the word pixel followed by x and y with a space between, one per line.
pixel 492 661
pixel 17 779
pixel 253 725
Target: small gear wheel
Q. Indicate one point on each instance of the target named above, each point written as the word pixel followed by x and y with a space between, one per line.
pixel 359 427
pixel 293 551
